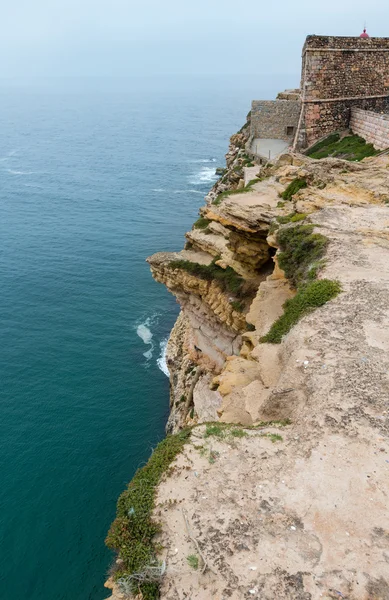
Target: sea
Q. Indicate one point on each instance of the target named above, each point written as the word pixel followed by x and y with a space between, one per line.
pixel 96 175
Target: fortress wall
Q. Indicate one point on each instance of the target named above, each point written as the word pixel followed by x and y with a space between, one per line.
pixel 323 118
pixel 371 126
pixel 338 74
pixel 271 118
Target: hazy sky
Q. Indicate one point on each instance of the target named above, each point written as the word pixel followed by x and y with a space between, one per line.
pixel 123 37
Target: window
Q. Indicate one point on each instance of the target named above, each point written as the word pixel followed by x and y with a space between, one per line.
pixel 289 131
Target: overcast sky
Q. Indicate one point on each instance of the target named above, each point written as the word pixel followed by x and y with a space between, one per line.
pixel 124 37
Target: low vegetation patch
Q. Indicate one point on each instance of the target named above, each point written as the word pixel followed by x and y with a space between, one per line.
pixel 201 223
pixel 223 430
pixel 309 296
pixel 351 147
pixel 227 279
pixel 328 141
pixel 300 258
pixel 131 534
pixel 274 437
pixel 297 184
pixel 193 561
pixel 293 217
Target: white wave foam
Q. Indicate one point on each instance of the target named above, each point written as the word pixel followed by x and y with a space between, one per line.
pixel 188 192
pixel 206 175
pixel 34 185
pixel 20 172
pixel 11 153
pixel 148 354
pixel 163 191
pixel 204 160
pixel 144 333
pixel 161 361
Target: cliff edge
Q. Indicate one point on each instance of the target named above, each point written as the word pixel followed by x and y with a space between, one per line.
pixel 279 366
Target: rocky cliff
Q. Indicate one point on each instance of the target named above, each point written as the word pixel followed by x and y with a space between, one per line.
pixel 279 367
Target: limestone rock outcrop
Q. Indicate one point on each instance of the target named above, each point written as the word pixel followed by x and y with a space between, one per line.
pixel 294 505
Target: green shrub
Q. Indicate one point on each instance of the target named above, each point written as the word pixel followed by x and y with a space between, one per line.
pixel 297 184
pixel 309 296
pixel 227 278
pixel 131 534
pixel 201 223
pixel 300 247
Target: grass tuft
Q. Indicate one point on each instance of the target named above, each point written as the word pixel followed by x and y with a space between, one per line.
pixel 293 217
pixel 238 433
pixel 214 429
pixel 201 223
pixel 193 561
pixel 274 437
pixel 297 184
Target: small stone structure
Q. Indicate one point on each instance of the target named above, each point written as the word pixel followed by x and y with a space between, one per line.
pixel 338 75
pixel 275 119
pixel 373 127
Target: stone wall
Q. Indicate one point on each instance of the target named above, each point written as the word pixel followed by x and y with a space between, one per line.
pixel 338 74
pixel 274 119
pixel 373 127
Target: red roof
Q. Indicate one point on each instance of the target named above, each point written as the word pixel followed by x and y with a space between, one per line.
pixel 364 34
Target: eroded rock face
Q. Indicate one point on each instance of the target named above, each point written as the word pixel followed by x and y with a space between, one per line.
pixel 304 516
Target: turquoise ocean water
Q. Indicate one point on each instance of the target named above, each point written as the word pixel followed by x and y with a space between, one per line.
pixel 95 176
